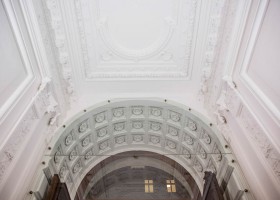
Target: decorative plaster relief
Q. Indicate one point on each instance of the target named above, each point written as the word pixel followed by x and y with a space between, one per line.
pixel 69 139
pixel 104 56
pixel 188 139
pixel 137 110
pixel 57 30
pixel 118 112
pixel 120 139
pixel 156 111
pixel 175 117
pixel 137 125
pixel 88 155
pixel 173 131
pixel 192 125
pixel 171 144
pixel 260 139
pixel 213 43
pixel 35 112
pixel 186 153
pixel 155 135
pixel 234 104
pixel 119 126
pixel 155 126
pixel 100 117
pixel 86 141
pixel 103 145
pixel 137 138
pixel 102 132
pixel 155 139
pixel 83 126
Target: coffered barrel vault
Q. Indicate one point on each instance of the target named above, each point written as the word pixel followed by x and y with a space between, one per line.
pixel 144 125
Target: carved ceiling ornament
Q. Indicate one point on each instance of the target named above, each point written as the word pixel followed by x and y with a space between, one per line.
pixel 86 141
pixel 69 139
pixel 83 127
pixel 155 126
pixel 118 112
pixel 102 132
pixel 137 110
pixel 175 116
pixel 156 112
pixel 192 125
pixel 171 144
pixel 137 138
pixel 73 154
pixel 103 145
pixel 186 153
pixel 100 117
pixel 137 125
pixel 154 139
pixel 158 140
pixel 77 167
pixel 173 131
pixel 119 126
pixel 189 139
pixel 146 62
pixel 120 139
pixel 88 155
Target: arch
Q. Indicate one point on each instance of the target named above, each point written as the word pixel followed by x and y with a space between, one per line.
pixel 121 125
pixel 138 159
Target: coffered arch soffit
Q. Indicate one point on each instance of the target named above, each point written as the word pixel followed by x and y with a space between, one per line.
pixel 155 125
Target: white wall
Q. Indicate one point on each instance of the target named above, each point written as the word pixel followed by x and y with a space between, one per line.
pixel 27 102
pixel 249 99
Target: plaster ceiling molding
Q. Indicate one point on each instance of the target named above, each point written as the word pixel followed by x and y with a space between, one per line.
pixel 102 132
pixel 137 111
pixel 118 113
pixel 119 127
pixel 100 117
pixel 83 127
pixel 173 131
pixel 120 140
pixel 232 30
pixel 137 138
pixel 57 30
pixel 88 155
pixel 114 44
pixel 155 139
pixel 138 125
pixel 156 112
pixel 117 136
pixel 186 153
pixel 85 142
pixel 73 153
pixel 104 145
pixel 171 144
pixel 216 24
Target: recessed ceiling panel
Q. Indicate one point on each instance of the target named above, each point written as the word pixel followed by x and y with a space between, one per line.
pixel 136 38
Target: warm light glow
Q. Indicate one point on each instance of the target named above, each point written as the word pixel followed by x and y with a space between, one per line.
pixel 170 184
pixel 149 187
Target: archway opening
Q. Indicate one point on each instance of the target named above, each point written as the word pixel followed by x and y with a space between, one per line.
pixel 138 175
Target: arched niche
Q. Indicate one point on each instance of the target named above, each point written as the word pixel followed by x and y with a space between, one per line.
pixel 159 126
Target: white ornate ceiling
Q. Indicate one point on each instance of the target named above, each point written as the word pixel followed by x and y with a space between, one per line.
pixel 100 45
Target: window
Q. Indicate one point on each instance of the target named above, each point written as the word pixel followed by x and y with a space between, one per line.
pixel 149 187
pixel 170 184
